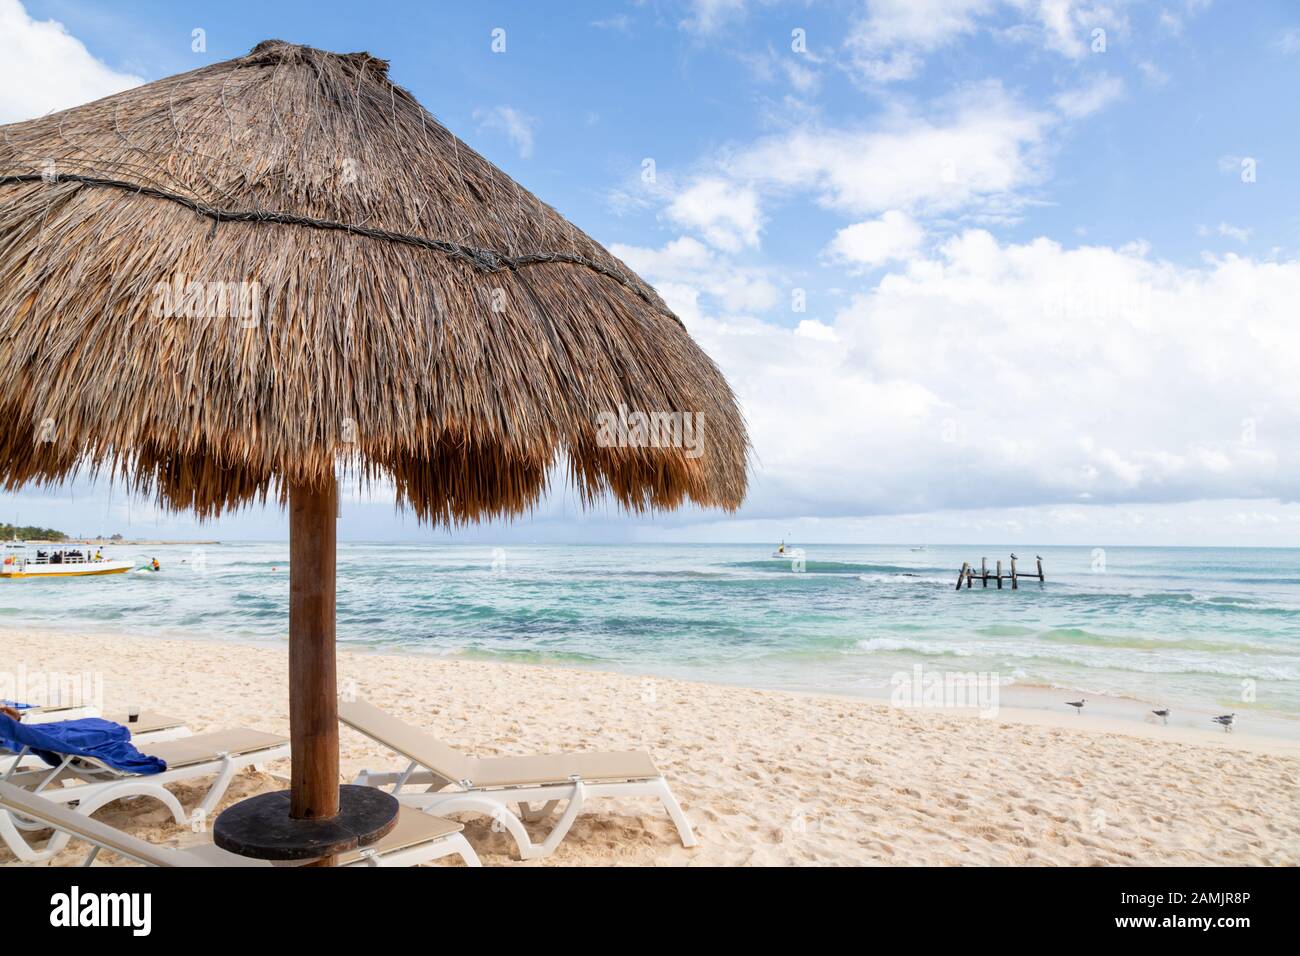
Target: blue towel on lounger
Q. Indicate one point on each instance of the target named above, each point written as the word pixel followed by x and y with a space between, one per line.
pixel 87 737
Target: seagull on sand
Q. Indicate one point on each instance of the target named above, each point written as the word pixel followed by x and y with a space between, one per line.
pixel 1225 721
pixel 1162 714
pixel 1077 704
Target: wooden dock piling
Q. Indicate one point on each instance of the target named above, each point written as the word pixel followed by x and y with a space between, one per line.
pixel 967 574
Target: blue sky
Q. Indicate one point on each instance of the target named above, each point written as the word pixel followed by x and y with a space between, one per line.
pixel 1046 250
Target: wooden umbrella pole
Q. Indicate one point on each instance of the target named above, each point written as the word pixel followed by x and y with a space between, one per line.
pixel 313 689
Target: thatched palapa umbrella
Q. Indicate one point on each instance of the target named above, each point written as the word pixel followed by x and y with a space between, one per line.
pixel 232 283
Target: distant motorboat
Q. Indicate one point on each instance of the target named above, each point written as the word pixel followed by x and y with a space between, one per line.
pixel 783 552
pixel 60 563
pixel 921 548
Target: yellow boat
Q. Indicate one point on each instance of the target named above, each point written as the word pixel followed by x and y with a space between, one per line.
pixel 60 563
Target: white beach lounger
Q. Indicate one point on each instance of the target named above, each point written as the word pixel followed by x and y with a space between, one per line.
pixel 491 785
pixel 45 712
pixel 91 784
pixel 417 838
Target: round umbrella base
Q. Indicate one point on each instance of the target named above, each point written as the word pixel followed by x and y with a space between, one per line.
pixel 260 827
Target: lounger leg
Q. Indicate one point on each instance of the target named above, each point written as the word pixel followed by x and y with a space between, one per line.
pixel 498 808
pixel 460 802
pixel 528 850
pixel 14 767
pixel 50 777
pixel 675 811
pixel 19 845
pixel 400 782
pixel 502 818
pixel 218 788
pixel 532 816
pixel 562 825
pixel 135 789
pixel 460 846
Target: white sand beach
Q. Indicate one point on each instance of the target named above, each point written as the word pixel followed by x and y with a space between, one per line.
pixel 767 778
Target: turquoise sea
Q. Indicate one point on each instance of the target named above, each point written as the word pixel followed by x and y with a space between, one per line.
pixel 1216 627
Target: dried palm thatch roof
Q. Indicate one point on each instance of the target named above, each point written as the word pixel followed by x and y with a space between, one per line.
pixel 235 279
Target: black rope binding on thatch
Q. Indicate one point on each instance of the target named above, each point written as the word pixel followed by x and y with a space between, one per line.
pixel 485 260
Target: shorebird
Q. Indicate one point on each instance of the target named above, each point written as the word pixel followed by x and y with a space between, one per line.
pixel 1014 558
pixel 1225 721
pixel 1077 704
pixel 1162 714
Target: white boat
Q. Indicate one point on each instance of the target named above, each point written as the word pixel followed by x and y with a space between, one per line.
pixel 60 563
pixel 785 553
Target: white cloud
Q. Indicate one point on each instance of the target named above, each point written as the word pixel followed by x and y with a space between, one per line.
pixel 1038 373
pixel 1066 26
pixel 801 76
pixel 1234 165
pixel 926 23
pixel 43 68
pixel 887 43
pixel 514 125
pixel 812 329
pixel 1239 233
pixel 800 69
pixel 893 236
pixel 726 214
pixel 682 258
pixel 972 159
pixel 688 269
pixel 1058 24
pixel 1152 73
pixel 706 16
pixel 621 23
pixel 1087 100
pixel 983 150
pixel 890 42
pixel 1173 20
